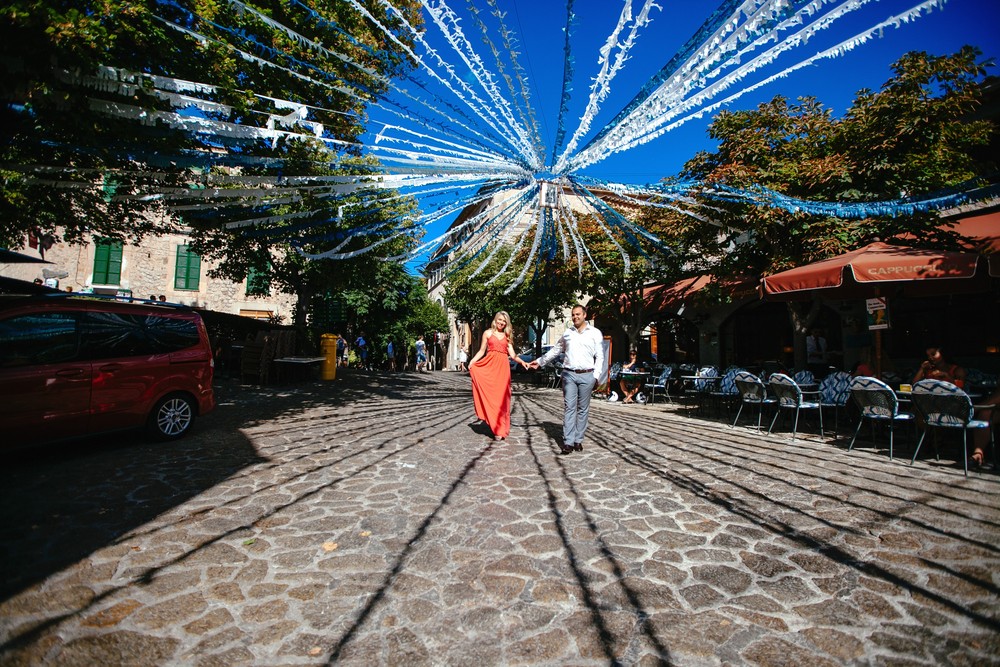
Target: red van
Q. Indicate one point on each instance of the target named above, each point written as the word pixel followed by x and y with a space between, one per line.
pixel 73 365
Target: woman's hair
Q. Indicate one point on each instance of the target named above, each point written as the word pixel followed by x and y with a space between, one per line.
pixel 510 329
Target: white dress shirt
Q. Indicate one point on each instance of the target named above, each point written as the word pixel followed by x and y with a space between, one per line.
pixel 583 350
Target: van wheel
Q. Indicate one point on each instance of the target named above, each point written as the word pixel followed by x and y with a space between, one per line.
pixel 171 418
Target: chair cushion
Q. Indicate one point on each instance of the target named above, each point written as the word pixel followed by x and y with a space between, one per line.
pixel 835 389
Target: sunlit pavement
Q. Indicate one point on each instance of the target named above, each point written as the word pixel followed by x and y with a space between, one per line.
pixel 371 520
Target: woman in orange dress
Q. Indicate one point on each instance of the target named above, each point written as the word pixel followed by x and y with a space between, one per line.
pixel 490 372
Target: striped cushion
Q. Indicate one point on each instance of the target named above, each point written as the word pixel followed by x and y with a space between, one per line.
pixel 835 388
pixel 943 404
pixel 804 377
pixel 874 398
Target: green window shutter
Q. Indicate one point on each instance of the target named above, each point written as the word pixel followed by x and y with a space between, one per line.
pixel 187 271
pixel 107 262
pixel 258 283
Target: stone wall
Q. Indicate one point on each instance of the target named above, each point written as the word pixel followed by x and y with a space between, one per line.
pixel 148 269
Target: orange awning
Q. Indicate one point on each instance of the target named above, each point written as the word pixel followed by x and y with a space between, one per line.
pixel 983 232
pixel 670 297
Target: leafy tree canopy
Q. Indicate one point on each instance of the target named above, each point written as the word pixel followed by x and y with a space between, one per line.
pixel 475 296
pixel 105 136
pixel 913 137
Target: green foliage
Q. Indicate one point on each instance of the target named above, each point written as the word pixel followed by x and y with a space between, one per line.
pixel 621 293
pixel 475 300
pixel 913 137
pixel 67 58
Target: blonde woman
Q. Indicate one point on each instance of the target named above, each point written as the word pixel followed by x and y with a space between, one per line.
pixel 490 372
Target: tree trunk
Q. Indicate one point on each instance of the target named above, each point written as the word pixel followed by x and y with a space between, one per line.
pixel 302 307
pixel 802 316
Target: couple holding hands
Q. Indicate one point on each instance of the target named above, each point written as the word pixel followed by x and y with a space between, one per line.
pixel 583 348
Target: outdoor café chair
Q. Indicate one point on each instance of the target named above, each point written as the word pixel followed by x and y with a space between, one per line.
pixel 878 403
pixel 727 391
pixel 660 383
pixel 753 391
pixel 943 405
pixel 835 392
pixel 804 377
pixel 790 397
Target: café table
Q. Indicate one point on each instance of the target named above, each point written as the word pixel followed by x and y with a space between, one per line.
pixel 297 367
pixel 633 379
pixel 690 383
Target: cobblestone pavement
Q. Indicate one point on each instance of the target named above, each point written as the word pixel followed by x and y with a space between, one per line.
pixel 372 521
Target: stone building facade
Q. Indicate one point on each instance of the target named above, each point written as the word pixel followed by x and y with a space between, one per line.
pixel 160 265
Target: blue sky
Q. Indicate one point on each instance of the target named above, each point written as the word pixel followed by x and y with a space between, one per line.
pixel 539 26
pixel 834 82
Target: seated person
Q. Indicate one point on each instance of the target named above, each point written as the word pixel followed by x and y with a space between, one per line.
pixel 863 367
pixel 630 386
pixel 981 436
pixel 937 367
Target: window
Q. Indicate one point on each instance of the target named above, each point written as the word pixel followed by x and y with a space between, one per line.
pixel 107 262
pixel 41 338
pixel 109 335
pixel 188 269
pixel 257 314
pixel 258 283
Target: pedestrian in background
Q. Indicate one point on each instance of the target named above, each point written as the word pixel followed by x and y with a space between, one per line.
pixel 390 350
pixel 421 354
pixel 341 351
pixel 361 345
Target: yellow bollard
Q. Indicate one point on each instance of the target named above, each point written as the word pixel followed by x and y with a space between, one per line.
pixel 328 348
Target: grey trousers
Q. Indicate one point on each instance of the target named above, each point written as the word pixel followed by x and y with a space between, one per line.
pixel 577 388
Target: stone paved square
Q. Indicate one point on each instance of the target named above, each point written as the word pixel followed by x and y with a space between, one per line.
pixel 371 520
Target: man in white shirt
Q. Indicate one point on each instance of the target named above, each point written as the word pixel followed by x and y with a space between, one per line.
pixel 583 347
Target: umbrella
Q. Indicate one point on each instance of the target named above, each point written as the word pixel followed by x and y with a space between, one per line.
pixel 983 235
pixel 880 269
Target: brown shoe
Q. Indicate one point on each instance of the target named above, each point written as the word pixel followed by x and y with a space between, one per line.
pixel 578 446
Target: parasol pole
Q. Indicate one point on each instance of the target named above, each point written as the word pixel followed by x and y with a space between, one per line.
pixel 878 345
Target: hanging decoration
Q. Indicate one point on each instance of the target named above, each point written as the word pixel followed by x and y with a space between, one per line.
pixel 455 143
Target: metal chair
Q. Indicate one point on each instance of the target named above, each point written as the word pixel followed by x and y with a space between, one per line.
pixel 661 384
pixel 943 405
pixel 789 396
pixel 804 377
pixel 726 390
pixel 878 403
pixel 834 392
pixel 752 392
pixel 707 378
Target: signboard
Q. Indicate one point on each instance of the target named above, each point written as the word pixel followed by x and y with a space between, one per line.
pixel 878 313
pixel 603 385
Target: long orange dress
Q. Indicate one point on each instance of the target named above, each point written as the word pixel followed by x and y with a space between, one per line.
pixel 491 387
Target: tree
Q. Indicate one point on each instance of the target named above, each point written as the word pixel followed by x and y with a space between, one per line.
pixel 395 307
pixel 913 137
pixel 621 291
pixel 100 98
pixel 474 299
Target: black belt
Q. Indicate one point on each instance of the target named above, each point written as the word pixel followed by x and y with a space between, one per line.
pixel 580 370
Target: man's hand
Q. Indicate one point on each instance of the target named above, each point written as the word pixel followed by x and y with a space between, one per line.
pixel 534 364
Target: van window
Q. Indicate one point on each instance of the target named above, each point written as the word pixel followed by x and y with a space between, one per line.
pixel 38 338
pixel 107 335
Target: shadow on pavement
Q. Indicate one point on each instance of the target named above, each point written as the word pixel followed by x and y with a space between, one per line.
pixel 60 503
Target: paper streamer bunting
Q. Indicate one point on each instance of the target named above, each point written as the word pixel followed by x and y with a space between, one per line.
pixel 453 160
